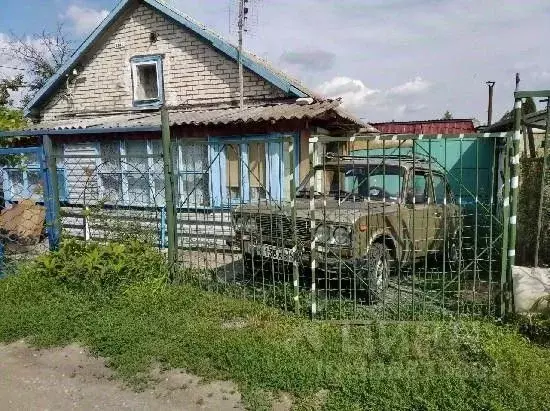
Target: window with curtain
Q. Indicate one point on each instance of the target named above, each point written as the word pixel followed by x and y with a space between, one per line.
pixel 257 171
pixel 193 174
pixel 110 173
pixel 131 173
pixel 233 171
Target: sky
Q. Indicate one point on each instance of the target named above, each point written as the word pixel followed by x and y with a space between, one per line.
pixel 388 59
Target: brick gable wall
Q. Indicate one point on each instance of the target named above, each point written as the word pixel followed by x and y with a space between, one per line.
pixel 194 72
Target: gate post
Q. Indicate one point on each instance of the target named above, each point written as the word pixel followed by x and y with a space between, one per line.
pixel 51 192
pixel 295 268
pixel 514 188
pixel 169 188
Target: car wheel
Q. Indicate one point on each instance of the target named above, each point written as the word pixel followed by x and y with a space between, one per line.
pixel 374 273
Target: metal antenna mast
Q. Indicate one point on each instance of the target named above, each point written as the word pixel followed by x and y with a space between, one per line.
pixel 243 12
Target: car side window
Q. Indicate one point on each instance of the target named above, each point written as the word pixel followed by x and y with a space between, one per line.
pixel 440 189
pixel 419 190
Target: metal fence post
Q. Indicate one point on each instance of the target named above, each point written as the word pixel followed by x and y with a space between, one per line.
pixel 295 268
pixel 51 193
pixel 313 245
pixel 514 188
pixel 169 188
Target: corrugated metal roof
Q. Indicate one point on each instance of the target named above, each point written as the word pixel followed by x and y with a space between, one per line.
pixel 536 120
pixel 453 126
pixel 208 117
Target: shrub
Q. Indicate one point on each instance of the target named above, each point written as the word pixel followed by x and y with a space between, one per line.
pixel 95 267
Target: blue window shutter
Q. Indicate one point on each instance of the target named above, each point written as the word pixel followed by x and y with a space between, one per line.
pixel 275 170
pixel 245 173
pixel 216 156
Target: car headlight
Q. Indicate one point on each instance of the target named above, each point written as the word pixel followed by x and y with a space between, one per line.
pixel 323 234
pixel 341 236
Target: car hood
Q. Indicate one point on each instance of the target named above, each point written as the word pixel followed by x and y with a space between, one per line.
pixel 329 209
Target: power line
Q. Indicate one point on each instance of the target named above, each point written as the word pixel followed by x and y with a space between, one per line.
pixel 12 68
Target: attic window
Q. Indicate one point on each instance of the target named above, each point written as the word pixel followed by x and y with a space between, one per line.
pixel 147 81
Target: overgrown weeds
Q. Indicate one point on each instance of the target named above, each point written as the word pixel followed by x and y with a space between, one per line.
pixel 143 321
pixel 96 267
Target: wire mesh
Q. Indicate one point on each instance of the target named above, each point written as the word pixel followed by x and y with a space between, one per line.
pixel 113 191
pixel 407 228
pixel 23 229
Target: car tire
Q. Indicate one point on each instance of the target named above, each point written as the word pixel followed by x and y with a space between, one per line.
pixel 374 273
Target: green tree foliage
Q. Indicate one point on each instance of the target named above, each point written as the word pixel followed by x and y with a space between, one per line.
pixel 529 106
pixel 11 119
pixel 447 115
pixel 8 86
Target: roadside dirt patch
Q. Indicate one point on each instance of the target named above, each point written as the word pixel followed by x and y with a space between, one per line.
pixel 70 378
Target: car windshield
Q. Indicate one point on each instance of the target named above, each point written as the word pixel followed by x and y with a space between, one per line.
pixel 378 182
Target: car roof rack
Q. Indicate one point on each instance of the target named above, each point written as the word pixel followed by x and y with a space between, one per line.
pixel 409 157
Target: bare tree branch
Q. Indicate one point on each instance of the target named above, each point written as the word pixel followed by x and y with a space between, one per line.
pixel 41 55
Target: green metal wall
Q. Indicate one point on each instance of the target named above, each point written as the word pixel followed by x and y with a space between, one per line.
pixel 468 164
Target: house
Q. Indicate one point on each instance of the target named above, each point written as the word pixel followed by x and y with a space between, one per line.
pixel 101 111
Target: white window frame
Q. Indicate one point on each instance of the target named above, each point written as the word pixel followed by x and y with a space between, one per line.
pixel 138 61
pixel 125 173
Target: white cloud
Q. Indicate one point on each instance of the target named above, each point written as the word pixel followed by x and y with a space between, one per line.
pixel 416 86
pixel 354 93
pixel 398 100
pixel 84 19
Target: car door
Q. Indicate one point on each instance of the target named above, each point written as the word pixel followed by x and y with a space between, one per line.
pixel 443 217
pixel 424 222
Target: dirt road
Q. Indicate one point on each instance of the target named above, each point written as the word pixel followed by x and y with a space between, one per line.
pixel 70 379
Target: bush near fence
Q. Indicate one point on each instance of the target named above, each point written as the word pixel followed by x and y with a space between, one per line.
pixel 528 206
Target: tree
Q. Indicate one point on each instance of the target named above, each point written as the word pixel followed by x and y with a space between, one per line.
pixel 40 56
pixel 7 86
pixel 528 107
pixel 447 115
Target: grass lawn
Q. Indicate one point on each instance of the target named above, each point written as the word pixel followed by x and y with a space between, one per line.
pixel 144 322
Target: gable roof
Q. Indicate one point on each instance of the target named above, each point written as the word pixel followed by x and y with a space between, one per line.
pixel 250 61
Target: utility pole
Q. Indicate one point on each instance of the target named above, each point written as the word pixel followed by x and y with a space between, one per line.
pixel 243 12
pixel 491 85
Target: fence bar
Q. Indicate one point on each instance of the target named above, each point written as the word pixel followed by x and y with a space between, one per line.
pixel 401 137
pixel 313 249
pixel 169 187
pixel 514 188
pixel 536 93
pixel 542 182
pixel 295 254
pixel 51 197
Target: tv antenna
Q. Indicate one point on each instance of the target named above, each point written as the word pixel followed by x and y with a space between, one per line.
pixel 241 25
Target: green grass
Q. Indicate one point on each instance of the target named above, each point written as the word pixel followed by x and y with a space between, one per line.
pixel 144 322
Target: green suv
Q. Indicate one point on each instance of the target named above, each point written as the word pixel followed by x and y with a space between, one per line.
pixel 371 215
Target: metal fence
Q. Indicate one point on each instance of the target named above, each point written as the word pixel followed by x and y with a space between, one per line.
pixel 403 227
pixel 25 218
pixel 362 228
